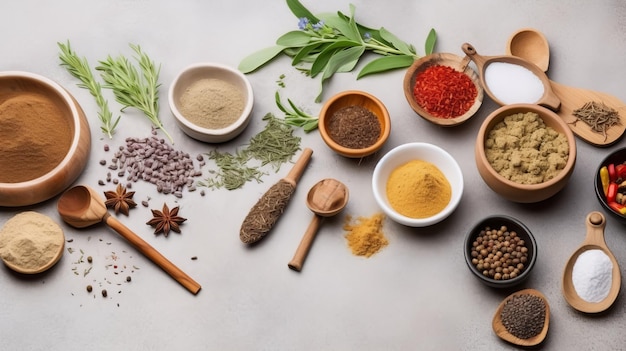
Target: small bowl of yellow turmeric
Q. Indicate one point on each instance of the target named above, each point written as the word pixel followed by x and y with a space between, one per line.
pixel 417 184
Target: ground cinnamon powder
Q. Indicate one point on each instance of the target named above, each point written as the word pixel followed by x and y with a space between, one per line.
pixel 34 138
pixel 365 235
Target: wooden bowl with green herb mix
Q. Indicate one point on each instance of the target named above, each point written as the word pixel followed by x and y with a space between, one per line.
pixel 44 139
pixel 354 123
pixel 529 158
pixel 211 102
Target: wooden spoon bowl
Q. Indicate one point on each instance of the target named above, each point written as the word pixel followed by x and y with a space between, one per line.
pixel 531 45
pixel 500 329
pixel 548 99
pixel 594 239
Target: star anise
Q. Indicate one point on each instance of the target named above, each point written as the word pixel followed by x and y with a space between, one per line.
pixel 166 220
pixel 120 200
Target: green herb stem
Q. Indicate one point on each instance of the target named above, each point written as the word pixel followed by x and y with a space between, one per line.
pixel 132 89
pixel 79 68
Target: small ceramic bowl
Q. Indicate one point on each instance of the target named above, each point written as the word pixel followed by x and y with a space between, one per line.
pixel 199 71
pixel 512 224
pixel 354 98
pixel 517 192
pixel 616 157
pixel 15 84
pixel 402 154
pixel 444 59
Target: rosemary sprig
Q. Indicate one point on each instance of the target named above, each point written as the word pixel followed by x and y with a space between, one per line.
pixel 79 68
pixel 295 116
pixel 132 89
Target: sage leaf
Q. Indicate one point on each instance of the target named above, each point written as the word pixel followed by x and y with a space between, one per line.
pixel 337 61
pixel 295 38
pixel 430 42
pixel 386 63
pixel 300 11
pixel 254 61
pixel 304 52
pixel 395 41
pixel 324 56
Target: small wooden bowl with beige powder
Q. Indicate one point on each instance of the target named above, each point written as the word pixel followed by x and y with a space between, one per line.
pixel 211 102
pixel 44 139
pixel 31 242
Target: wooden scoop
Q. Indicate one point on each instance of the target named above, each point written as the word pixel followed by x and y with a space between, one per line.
pixel 82 206
pixel 268 209
pixel 548 99
pixel 325 199
pixel 533 46
pixel 594 239
pixel 503 333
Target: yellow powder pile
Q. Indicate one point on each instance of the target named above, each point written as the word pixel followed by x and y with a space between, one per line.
pixel 365 235
pixel 418 189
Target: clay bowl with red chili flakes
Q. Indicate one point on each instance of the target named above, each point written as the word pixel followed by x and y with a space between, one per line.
pixel 354 123
pixel 443 89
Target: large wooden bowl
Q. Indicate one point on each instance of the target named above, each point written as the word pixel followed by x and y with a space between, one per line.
pixel 517 192
pixel 48 185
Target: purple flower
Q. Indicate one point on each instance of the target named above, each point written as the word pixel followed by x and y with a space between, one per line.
pixel 319 25
pixel 302 23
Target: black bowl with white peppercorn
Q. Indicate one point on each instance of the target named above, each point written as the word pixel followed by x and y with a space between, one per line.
pixel 500 251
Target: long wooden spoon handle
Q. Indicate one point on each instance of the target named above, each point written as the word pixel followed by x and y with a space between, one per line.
pixel 305 244
pixel 152 254
pixel 296 171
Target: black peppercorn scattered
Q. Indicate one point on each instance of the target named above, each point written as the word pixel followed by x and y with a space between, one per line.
pixel 89 288
pixel 104 293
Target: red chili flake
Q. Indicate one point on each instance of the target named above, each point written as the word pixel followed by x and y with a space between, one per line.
pixel 444 92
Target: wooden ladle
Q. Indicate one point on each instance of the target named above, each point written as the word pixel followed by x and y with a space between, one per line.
pixel 594 239
pixel 325 199
pixel 531 45
pixel 571 98
pixel 82 206
pixel 548 99
pixel 500 329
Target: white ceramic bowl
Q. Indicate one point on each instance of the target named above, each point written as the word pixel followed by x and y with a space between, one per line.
pixel 192 74
pixel 417 151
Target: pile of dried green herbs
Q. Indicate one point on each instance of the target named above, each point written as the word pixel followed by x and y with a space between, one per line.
pixel 273 146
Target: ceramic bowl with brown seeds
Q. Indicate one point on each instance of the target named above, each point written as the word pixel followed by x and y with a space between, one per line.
pixel 56 154
pixel 495 222
pixel 516 191
pixel 459 65
pixel 355 144
pixel 211 102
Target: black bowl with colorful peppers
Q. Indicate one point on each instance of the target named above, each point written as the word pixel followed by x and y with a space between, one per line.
pixel 610 184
